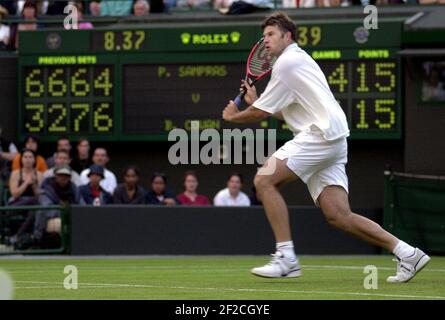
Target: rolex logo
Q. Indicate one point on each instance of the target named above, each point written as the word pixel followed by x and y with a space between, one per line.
pixel 185 38
pixel 235 36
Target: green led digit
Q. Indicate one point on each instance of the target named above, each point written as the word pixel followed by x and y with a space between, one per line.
pixel 55 126
pixel 56 87
pixel 302 36
pixel 102 121
pixel 128 40
pixel 337 77
pixel 140 39
pixel 103 82
pixel 362 124
pixel 79 87
pixel 362 71
pixel 386 69
pixel 385 107
pixel 315 35
pixel 85 108
pixel 109 41
pixel 37 111
pixel 34 87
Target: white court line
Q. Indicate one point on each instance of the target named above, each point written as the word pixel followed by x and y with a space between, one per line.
pixel 117 285
pixel 210 267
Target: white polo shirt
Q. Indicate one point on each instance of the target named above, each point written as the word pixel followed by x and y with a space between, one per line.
pixel 223 198
pixel 299 89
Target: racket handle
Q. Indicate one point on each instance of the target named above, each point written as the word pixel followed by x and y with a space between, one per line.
pixel 239 99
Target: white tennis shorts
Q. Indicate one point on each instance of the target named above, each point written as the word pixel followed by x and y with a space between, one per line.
pixel 317 162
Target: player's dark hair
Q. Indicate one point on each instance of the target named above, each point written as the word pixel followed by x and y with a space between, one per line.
pixel 236 174
pixel 283 22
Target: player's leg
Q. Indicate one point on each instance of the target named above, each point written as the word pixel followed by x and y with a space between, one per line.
pixel 267 183
pixel 335 206
pixel 284 263
pixel 334 203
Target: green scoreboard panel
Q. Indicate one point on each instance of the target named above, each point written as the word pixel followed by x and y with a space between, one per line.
pixel 138 84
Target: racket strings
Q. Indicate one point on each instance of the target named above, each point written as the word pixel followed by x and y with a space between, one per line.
pixel 260 62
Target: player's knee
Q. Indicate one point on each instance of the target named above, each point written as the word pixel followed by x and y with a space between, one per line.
pixel 261 182
pixel 338 218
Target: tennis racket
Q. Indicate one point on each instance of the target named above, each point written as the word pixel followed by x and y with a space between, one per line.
pixel 259 65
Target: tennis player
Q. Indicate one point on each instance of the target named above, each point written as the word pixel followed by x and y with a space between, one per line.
pixel 299 94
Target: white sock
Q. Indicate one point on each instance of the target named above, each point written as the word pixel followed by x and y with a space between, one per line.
pixel 402 249
pixel 287 248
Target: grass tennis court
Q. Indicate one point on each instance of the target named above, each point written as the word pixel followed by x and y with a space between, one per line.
pixel 216 277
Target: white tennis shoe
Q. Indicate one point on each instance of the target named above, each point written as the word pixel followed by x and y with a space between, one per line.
pixel 279 267
pixel 409 266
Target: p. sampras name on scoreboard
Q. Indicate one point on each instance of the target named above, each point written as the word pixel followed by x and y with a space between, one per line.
pixel 64 60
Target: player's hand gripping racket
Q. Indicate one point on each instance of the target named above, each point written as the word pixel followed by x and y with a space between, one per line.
pixel 259 65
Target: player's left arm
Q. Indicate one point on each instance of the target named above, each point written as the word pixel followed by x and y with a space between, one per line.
pixel 251 114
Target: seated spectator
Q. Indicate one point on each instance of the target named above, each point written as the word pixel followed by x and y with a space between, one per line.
pixel 115 8
pixel 58 190
pixel 62 158
pixel 141 8
pixel 32 143
pixel 5 31
pixel 232 195
pixel 190 196
pixel 168 4
pixel 8 150
pixel 10 6
pixel 82 159
pixel 24 183
pixel 63 143
pixel 80 12
pixel 193 3
pixel 93 193
pixel 129 192
pixel 100 157
pixel 432 88
pixel 158 193
pixel 55 8
pixel 29 14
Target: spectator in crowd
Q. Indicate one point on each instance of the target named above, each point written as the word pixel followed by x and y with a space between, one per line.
pixel 100 157
pixel 29 14
pixel 55 8
pixel 10 6
pixel 433 89
pixel 232 195
pixel 168 4
pixel 193 3
pixel 62 144
pixel 159 193
pixel 58 190
pixel 190 196
pixel 24 183
pixel 129 192
pixel 82 159
pixel 158 6
pixel 5 31
pixel 141 8
pixel 80 12
pixel 31 142
pixel 115 8
pixel 8 150
pixel 62 158
pixel 93 193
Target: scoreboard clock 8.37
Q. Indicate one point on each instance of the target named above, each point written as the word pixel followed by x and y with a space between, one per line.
pixel 138 84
